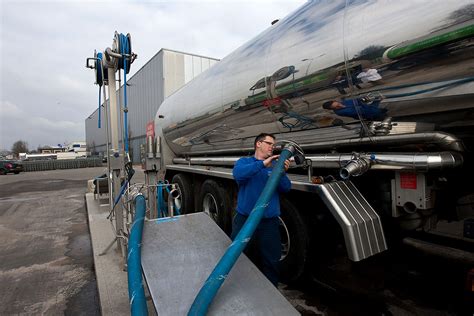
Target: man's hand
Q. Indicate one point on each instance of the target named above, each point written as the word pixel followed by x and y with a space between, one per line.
pixel 268 162
pixel 287 165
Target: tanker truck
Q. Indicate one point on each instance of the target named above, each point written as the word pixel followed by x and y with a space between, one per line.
pixel 379 98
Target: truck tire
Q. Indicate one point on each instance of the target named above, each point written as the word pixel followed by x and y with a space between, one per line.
pixel 215 201
pixel 295 242
pixel 186 191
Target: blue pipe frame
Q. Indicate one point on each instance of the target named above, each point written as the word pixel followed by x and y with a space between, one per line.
pixel 136 292
pixel 219 274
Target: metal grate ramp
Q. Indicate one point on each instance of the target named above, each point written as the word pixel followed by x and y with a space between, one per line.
pixel 179 253
pixel 360 224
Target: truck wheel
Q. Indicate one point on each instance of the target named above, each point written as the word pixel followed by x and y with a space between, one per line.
pixel 215 202
pixel 294 240
pixel 186 192
pixel 3 172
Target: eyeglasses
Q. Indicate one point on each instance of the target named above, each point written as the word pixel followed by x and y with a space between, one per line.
pixel 268 143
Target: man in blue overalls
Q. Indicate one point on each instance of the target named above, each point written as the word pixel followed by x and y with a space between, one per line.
pixel 251 174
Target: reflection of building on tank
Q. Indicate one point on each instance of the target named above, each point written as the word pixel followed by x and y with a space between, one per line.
pixel 289 89
pixel 273 101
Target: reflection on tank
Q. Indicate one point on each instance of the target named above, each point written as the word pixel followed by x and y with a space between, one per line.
pixel 324 66
pixel 360 108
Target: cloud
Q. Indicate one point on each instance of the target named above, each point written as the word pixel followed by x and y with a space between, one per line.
pixel 17 124
pixel 45 90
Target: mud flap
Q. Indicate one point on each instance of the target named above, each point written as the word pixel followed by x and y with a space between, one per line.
pixel 361 225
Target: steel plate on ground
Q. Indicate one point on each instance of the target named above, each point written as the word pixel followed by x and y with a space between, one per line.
pixel 178 254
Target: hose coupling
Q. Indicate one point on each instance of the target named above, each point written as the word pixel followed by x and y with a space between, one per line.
pixel 356 167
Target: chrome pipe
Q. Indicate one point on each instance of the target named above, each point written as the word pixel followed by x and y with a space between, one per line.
pixel 443 140
pixel 393 161
pixel 387 161
pixel 173 195
pixel 207 161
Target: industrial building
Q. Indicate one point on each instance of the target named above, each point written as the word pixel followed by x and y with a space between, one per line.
pixel 160 77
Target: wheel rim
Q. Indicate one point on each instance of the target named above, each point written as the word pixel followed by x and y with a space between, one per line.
pixel 285 240
pixel 209 206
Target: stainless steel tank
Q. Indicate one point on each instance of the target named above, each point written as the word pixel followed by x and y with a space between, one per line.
pixel 325 71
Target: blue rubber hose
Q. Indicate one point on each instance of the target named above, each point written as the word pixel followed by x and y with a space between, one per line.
pixel 98 121
pixel 130 172
pixel 159 198
pixel 409 85
pixel 100 81
pixel 136 292
pixel 219 274
pixel 122 191
pixel 125 49
pixel 162 212
pixel 400 95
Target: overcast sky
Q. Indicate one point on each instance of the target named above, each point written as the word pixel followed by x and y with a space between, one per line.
pixel 45 90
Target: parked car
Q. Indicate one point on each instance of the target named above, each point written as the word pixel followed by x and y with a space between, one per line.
pixel 10 166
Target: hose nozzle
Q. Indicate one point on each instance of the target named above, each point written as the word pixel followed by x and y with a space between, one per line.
pixel 355 168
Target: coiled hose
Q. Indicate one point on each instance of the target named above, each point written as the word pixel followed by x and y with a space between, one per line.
pixel 99 74
pixel 125 49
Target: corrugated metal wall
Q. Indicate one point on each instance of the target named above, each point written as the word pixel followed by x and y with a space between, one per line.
pixel 161 76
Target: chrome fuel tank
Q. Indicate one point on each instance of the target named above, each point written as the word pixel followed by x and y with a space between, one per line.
pixel 325 66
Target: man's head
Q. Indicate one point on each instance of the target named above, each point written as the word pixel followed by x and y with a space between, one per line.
pixel 333 105
pixel 264 144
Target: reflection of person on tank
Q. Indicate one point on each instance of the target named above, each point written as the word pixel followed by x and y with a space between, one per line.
pixel 251 174
pixel 341 83
pixel 348 108
pixel 370 75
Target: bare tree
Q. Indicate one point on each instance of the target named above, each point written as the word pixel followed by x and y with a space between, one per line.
pixel 372 52
pixel 20 146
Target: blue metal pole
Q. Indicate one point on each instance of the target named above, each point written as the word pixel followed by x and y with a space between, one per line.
pixel 136 293
pixel 219 274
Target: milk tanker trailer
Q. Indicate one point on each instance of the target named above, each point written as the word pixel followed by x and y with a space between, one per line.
pixel 378 95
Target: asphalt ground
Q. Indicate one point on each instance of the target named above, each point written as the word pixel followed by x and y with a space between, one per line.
pixel 46 265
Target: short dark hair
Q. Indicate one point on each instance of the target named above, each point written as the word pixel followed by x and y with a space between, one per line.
pixel 261 137
pixel 328 105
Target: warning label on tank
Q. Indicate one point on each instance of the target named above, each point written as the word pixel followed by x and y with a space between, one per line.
pixel 408 181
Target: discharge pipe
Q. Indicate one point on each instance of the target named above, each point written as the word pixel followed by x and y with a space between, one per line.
pixel 173 196
pixel 136 292
pixel 219 274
